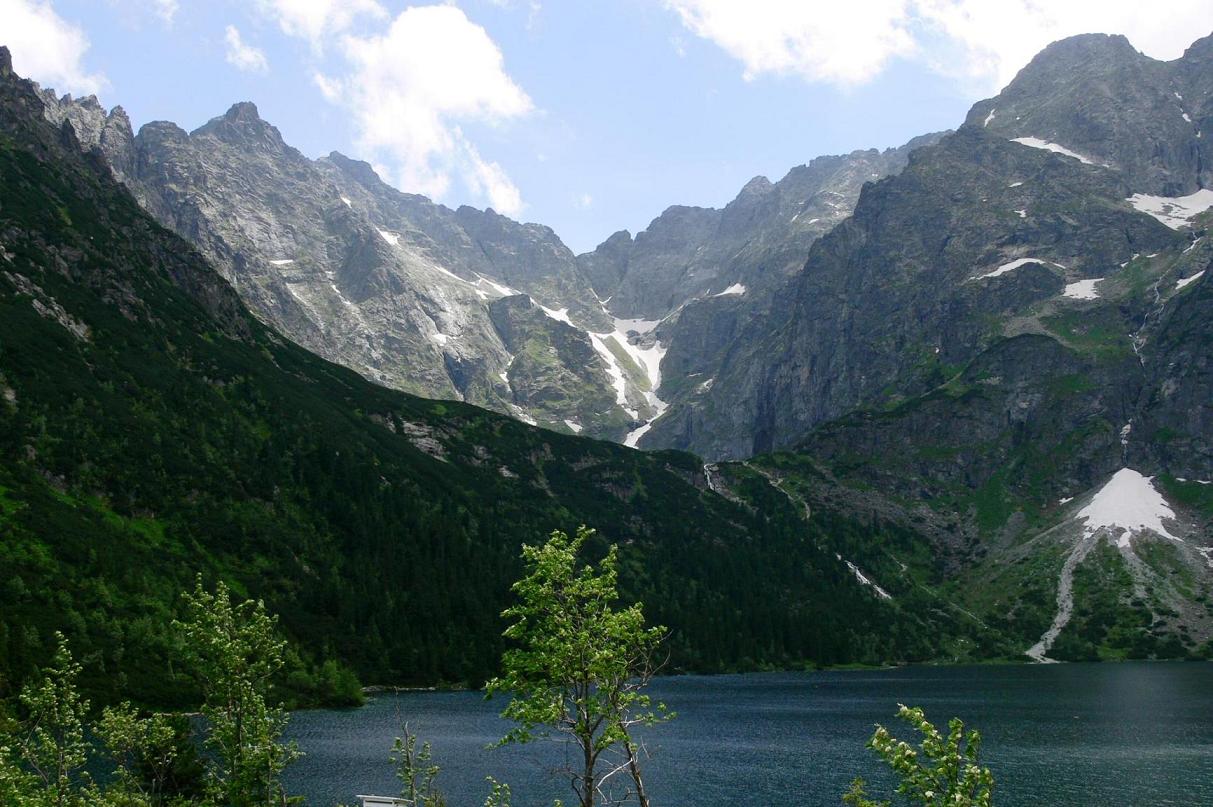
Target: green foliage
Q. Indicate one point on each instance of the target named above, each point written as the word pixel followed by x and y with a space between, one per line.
pixel 54 747
pixel 499 793
pixel 155 759
pixel 942 772
pixel 580 663
pixel 415 772
pixel 234 651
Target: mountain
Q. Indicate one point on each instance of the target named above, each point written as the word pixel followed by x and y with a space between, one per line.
pixel 407 292
pixel 983 237
pixel 1010 325
pixel 152 427
pixel 954 397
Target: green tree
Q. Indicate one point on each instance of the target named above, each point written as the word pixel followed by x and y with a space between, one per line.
pixel 415 772
pixel 234 651
pixel 52 745
pixel 499 794
pixel 580 664
pixel 943 772
pixel 149 755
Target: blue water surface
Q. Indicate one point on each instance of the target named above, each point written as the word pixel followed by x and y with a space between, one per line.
pixel 1136 733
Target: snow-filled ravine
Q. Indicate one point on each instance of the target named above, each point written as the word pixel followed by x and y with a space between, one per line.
pixel 1129 502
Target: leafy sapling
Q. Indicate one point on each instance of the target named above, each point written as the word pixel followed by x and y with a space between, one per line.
pixel 579 666
pixel 941 772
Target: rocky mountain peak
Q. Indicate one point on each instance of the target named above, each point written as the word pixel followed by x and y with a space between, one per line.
pixel 758 186
pixel 6 62
pixel 1200 50
pixel 1097 98
pixel 358 170
pixel 243 111
pixel 242 125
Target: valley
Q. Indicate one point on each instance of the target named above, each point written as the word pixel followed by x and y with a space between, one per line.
pixel 946 402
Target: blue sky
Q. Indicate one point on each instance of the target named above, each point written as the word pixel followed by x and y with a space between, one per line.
pixel 586 115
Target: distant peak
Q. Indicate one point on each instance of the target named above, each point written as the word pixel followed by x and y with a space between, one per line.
pixel 244 111
pixel 242 124
pixel 358 170
pixel 1085 47
pixel 6 62
pixel 1200 49
pixel 756 186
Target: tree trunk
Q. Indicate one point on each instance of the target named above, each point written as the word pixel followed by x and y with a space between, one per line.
pixel 634 767
pixel 587 783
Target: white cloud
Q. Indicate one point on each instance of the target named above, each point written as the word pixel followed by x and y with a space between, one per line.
pixel 996 39
pixel 980 41
pixel 46 47
pixel 243 56
pixel 318 20
pixel 165 9
pixel 584 200
pixel 410 89
pixel 842 43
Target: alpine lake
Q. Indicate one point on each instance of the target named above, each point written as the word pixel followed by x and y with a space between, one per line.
pixel 1112 735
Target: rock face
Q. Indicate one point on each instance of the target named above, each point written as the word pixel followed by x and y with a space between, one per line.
pixel 758 240
pixel 387 283
pixel 406 292
pixel 1005 227
pixel 1099 97
pixel 697 276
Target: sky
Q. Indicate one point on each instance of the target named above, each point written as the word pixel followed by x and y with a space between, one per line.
pixel 589 116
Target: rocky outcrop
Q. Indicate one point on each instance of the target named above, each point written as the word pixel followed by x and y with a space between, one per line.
pixel 403 290
pixel 1099 97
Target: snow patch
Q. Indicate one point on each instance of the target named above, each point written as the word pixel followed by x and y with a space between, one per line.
pixel 561 315
pixel 346 202
pixel 1173 211
pixel 1082 289
pixel 1128 502
pixel 736 289
pixel 1179 284
pixel 615 372
pixel 634 436
pixel 1037 143
pixel 1065 500
pixel 574 425
pixel 504 291
pixel 864 579
pixel 282 262
pixel 1014 184
pixel 640 326
pixel 522 415
pixel 391 238
pixel 1207 553
pixel 1023 214
pixel 1015 264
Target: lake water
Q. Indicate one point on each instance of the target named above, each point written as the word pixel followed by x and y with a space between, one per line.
pixel 1110 735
